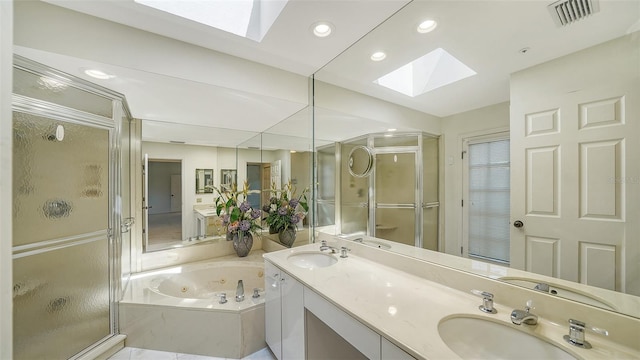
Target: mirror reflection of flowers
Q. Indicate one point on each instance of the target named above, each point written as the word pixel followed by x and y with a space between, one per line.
pixel 237 214
pixel 285 210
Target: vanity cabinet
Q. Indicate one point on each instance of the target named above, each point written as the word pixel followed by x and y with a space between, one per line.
pixel 284 314
pixel 329 331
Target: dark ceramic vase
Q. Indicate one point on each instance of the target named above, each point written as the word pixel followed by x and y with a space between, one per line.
pixel 287 236
pixel 242 243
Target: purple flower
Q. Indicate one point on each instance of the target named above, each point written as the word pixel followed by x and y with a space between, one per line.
pixel 294 203
pixel 244 225
pixel 233 227
pixel 245 206
pixel 282 211
pixel 255 213
pixel 294 219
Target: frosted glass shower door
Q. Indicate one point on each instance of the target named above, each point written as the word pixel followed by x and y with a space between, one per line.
pixel 395 196
pixel 61 207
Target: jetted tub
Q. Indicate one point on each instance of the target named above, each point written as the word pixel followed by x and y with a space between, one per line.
pixel 178 309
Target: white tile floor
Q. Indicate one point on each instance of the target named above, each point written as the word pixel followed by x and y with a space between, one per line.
pixel 129 353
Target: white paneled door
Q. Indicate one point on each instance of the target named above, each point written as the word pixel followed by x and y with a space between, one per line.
pixel 575 185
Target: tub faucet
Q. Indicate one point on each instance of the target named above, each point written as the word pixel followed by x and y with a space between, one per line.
pixel 524 316
pixel 240 291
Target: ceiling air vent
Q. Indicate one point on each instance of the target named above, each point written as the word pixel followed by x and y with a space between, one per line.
pixel 565 12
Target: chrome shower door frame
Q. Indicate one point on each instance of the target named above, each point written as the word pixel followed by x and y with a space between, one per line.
pixel 42 108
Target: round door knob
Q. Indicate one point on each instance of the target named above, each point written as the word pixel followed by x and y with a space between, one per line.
pixel 518 224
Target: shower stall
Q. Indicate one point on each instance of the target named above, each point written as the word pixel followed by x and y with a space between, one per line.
pixel 382 186
pixel 71 242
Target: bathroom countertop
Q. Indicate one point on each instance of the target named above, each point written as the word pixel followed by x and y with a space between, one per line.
pixel 607 299
pixel 406 309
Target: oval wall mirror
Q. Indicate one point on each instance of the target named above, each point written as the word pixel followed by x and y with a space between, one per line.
pixel 360 161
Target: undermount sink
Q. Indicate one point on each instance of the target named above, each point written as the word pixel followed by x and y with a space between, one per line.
pixel 312 259
pixel 474 338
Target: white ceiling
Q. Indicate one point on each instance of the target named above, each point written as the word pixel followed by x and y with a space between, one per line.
pixel 485 35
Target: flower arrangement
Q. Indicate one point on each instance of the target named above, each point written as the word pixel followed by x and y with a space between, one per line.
pixel 238 216
pixel 285 209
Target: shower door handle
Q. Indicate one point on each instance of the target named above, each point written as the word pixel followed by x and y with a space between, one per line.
pixel 126 224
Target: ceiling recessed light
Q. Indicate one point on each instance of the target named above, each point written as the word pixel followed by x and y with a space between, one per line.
pixel 378 56
pixel 391 130
pixel 98 74
pixel 427 26
pixel 322 29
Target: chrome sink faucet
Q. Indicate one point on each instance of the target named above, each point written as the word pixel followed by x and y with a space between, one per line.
pixel 524 316
pixel 576 333
pixel 324 246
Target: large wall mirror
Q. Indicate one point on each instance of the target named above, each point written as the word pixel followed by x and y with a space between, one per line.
pixel 522 118
pixel 254 119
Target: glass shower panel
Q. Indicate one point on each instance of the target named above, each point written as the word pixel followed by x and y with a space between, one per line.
pixel 396 179
pixel 125 201
pixel 61 188
pixel 396 140
pixel 430 228
pixel 396 224
pixel 61 300
pixel 61 205
pixel 326 186
pixel 354 195
pixel 395 191
pixel 430 192
pixel 57 91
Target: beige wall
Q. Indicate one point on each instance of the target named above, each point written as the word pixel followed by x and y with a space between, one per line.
pixel 301 170
pixel 481 121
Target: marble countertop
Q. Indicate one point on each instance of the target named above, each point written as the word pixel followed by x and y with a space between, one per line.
pixel 406 309
pixel 618 301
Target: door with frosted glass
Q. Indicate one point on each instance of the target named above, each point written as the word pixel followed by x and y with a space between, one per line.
pixel 61 215
pixel 395 197
pixel 486 201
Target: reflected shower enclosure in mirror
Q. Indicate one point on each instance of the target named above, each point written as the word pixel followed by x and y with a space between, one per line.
pixel 204 181
pixel 348 99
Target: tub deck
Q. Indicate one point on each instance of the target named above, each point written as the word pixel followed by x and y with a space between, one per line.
pixel 194 326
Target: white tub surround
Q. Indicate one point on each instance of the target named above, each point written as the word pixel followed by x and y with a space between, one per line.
pixel 401 300
pixel 178 309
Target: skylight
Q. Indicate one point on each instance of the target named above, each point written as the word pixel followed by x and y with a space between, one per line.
pixel 247 18
pixel 436 69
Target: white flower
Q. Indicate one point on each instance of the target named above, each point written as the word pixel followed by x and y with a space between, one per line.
pixel 274 207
